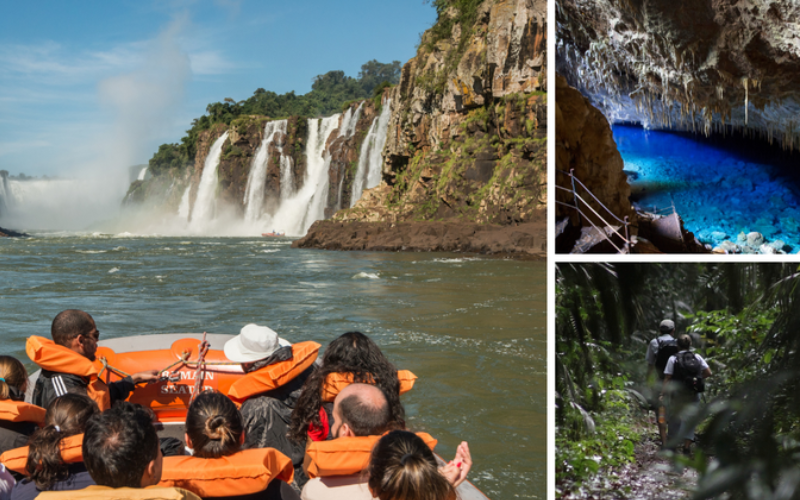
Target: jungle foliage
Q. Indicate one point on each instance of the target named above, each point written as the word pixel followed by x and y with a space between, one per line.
pixel 744 318
pixel 328 93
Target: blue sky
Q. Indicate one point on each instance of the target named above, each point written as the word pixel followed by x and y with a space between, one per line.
pixel 87 85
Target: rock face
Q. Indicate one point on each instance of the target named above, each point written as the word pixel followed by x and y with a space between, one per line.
pixel 467 133
pixel 697 65
pixel 585 146
pixel 246 135
pixel 528 240
pixel 344 153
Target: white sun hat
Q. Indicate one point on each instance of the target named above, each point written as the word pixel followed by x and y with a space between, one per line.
pixel 253 343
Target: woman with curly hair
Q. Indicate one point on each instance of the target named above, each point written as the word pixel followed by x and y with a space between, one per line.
pixel 356 355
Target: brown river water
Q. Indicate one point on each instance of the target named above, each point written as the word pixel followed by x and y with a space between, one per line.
pixel 473 330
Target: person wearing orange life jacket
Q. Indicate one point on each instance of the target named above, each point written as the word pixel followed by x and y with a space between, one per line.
pixel 18 419
pixel 403 466
pixel 219 468
pixel 50 465
pixel 337 467
pixel 122 454
pixel 359 359
pixel 64 363
pixel 275 372
pixel 359 410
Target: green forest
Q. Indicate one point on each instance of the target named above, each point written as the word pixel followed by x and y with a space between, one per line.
pixel 329 94
pixel 742 319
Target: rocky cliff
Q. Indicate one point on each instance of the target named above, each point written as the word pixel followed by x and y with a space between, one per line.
pixel 698 65
pixel 467 133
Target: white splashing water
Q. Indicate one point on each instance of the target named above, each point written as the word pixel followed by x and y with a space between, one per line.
pixel 58 204
pixel 205 202
pixel 142 173
pixel 370 160
pixel 296 213
pixel 183 208
pixel 254 192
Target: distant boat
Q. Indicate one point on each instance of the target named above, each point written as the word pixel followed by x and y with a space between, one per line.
pixel 273 234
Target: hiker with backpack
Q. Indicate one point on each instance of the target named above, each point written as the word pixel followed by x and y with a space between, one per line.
pixel 684 377
pixel 659 351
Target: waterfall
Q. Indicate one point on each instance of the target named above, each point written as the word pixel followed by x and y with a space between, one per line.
pixel 287 177
pixel 298 211
pixel 370 160
pixel 183 208
pixel 205 203
pixel 254 192
pixel 4 194
pixel 142 173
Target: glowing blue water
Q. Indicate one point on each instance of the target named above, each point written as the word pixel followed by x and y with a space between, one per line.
pixel 719 191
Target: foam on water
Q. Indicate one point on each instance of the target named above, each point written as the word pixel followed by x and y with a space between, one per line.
pixel 363 275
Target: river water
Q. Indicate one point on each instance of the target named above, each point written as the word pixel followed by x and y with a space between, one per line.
pixel 472 329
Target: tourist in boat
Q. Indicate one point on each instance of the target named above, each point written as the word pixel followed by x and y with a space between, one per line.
pixel 46 466
pixel 122 455
pixel 66 363
pixel 359 410
pixel 219 466
pixel 275 372
pixel 356 355
pixel 403 466
pixel 18 420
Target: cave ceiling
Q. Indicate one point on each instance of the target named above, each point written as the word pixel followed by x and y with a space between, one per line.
pixel 699 65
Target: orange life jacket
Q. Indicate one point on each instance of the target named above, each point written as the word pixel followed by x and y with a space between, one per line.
pixel 18 411
pixel 335 382
pixel 275 375
pixel 243 473
pixel 71 452
pixel 106 493
pixel 57 358
pixel 345 455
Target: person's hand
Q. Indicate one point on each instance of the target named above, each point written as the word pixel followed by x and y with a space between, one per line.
pixel 145 376
pixel 457 469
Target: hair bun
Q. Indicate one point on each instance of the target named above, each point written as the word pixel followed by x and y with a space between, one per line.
pixel 215 427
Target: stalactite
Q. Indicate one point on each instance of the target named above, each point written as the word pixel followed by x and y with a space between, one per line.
pixel 746 98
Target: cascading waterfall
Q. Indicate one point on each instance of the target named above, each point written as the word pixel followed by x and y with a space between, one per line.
pixel 205 203
pixel 142 173
pixel 4 195
pixel 368 173
pixel 296 213
pixel 347 130
pixel 183 208
pixel 254 192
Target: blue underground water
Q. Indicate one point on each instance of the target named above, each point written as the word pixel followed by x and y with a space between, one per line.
pixel 720 188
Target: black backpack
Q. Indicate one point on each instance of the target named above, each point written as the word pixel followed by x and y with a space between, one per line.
pixel 688 369
pixel 666 349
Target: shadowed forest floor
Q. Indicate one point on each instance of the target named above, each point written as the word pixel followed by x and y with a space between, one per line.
pixel 651 476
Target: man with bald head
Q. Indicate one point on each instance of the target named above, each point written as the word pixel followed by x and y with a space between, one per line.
pixel 358 410
pixel 76 330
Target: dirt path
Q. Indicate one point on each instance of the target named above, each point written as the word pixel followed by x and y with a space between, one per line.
pixel 650 477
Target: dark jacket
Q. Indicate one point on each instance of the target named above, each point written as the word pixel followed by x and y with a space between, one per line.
pixel 15 434
pixel 77 479
pixel 51 385
pixel 267 418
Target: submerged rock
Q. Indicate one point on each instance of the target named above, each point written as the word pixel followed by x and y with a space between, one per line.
pixel 755 239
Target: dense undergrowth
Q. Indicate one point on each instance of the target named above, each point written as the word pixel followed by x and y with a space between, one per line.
pixel 743 319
